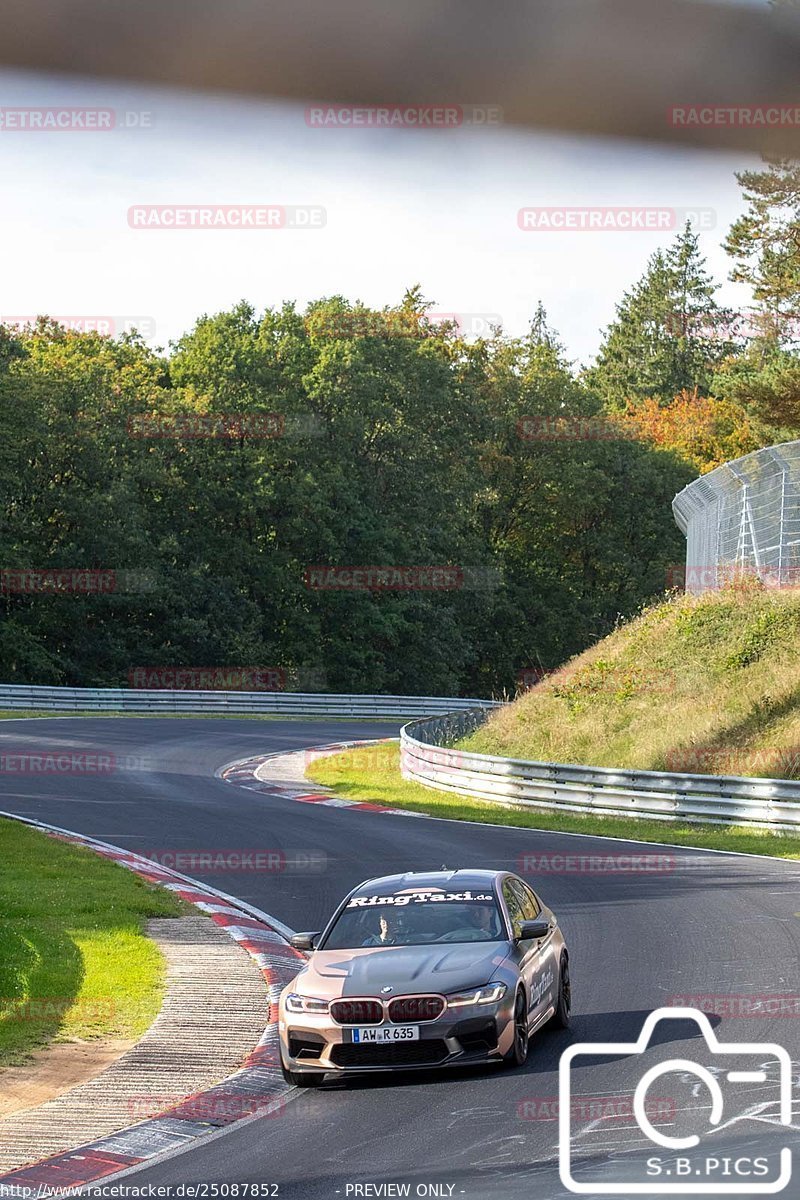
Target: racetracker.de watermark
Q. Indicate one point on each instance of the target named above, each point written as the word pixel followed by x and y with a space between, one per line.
pixel 731 116
pixel 528 677
pixel 258 426
pixel 216 1107
pixel 739 1004
pixel 439 756
pixel 257 859
pixel 660 1109
pixel 227 216
pixel 614 680
pixel 369 757
pixel 400 578
pixel 596 864
pixel 401 324
pixel 402 116
pixel 70 119
pixel 209 679
pixel 612 218
pixel 542 428
pixel 230 426
pixel 700 576
pixel 72 581
pixel 69 762
pixel 105 326
pixel 38 1009
pixel 726 326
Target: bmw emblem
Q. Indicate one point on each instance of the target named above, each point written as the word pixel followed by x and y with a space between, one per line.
pixel 385 991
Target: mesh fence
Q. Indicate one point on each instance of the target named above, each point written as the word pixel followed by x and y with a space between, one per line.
pixel 744 517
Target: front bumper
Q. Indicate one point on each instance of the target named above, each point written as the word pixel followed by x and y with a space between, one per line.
pixel 466 1035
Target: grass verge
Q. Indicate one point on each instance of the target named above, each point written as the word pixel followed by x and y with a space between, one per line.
pixel 75 962
pixel 373 773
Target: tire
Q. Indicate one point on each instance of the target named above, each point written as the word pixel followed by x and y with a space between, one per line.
pixel 302 1078
pixel 518 1054
pixel 561 1017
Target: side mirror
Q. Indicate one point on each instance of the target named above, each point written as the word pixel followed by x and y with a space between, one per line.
pixel 304 941
pixel 529 930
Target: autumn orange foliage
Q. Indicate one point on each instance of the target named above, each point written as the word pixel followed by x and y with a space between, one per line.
pixel 705 431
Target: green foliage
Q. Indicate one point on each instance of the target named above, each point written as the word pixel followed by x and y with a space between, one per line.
pixel 764 245
pixel 401 446
pixel 664 338
pixel 765 380
pixel 600 678
pixel 766 631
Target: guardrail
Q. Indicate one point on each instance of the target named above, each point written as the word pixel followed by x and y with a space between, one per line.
pixel 299 704
pixel 427 757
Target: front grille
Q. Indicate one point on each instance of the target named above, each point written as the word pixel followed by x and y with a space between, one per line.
pixel 357 1012
pixel 389 1054
pixel 415 1008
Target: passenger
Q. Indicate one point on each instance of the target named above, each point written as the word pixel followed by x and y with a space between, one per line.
pixel 384 936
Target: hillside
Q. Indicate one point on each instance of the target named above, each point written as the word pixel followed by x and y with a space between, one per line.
pixel 704 685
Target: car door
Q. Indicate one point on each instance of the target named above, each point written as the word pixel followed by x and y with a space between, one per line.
pixel 541 970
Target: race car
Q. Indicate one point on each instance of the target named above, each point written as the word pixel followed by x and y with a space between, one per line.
pixel 425 970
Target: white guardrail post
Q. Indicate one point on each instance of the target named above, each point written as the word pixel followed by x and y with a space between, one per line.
pixel 428 757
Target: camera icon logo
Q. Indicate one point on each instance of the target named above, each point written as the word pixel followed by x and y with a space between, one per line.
pixel 694 1175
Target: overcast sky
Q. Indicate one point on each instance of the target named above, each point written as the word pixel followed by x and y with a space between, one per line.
pixel 437 208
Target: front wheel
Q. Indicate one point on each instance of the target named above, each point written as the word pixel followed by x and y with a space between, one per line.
pixel 560 1018
pixel 518 1053
pixel 302 1078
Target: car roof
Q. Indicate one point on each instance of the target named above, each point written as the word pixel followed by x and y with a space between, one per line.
pixel 460 880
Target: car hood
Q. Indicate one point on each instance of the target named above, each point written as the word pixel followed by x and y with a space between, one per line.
pixel 405 969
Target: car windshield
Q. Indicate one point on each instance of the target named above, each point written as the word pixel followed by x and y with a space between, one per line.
pixel 415 920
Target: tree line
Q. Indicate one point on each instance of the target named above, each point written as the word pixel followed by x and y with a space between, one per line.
pixel 347 499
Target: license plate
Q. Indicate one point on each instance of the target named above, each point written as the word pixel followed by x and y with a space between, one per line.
pixel 387 1033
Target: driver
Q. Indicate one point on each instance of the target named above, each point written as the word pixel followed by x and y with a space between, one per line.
pixel 480 925
pixel 485 917
pixel 385 936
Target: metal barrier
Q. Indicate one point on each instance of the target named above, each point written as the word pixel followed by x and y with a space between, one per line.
pixel 744 517
pixel 299 704
pixel 427 757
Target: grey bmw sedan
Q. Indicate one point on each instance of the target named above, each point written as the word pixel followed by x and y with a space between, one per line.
pixel 425 970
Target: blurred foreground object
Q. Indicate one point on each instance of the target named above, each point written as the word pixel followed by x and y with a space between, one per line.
pixel 666 70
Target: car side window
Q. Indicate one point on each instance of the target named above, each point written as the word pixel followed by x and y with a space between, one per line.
pixel 531 906
pixel 525 899
pixel 514 905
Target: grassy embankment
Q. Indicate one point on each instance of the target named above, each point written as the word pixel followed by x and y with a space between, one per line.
pixel 701 685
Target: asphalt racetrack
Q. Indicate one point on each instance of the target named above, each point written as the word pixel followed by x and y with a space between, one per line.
pixel 703 924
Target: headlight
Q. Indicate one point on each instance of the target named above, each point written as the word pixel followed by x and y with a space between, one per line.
pixel 490 994
pixel 305 1004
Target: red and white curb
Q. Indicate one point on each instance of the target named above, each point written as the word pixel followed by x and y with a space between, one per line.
pixel 245 773
pixel 257 1088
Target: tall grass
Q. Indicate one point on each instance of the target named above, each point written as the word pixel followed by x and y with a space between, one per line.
pixel 705 685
